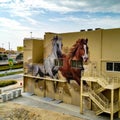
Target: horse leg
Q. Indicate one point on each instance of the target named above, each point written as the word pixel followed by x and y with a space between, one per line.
pixel 61 76
pixel 68 80
pixel 55 83
pixel 41 74
pixel 77 79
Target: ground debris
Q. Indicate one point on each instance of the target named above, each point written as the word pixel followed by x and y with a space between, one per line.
pixel 14 111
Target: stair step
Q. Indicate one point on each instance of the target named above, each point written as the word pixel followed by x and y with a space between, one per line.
pixel 99 90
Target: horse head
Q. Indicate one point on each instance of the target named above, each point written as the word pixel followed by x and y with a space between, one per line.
pixel 80 50
pixel 57 46
pixel 85 49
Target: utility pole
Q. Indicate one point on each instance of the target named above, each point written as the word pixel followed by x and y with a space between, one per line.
pixel 9 46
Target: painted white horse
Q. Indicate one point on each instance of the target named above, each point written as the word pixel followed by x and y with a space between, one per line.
pixel 49 67
pixel 56 53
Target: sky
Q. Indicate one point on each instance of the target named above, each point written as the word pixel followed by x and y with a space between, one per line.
pixel 18 18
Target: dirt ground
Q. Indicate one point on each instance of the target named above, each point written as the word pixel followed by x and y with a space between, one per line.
pixel 13 111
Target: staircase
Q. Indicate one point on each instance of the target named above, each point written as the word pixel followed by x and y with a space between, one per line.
pixel 101 83
pixel 98 112
pixel 98 88
pixel 100 100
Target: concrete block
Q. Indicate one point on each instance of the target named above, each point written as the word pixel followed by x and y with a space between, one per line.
pixel 3 97
pixel 19 92
pixel 14 94
pixel 9 96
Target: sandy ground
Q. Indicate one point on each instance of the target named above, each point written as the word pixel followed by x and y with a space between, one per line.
pixel 13 111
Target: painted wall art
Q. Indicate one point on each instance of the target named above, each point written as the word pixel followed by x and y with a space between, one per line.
pixel 58 62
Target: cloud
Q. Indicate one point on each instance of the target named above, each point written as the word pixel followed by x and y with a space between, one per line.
pixel 11 24
pixel 25 15
pixel 21 9
pixel 4 1
pixel 75 5
pixel 93 22
pixel 67 18
pixel 26 10
pixel 64 6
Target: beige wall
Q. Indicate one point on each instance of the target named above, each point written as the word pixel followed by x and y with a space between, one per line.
pixel 33 48
pixel 38 51
pixel 110 49
pixel 48 44
pixel 111 45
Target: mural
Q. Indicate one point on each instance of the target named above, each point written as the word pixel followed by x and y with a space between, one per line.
pixel 48 68
pixel 69 65
pixel 73 62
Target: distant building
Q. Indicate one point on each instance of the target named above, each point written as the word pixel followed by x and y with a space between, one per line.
pixel 2 50
pixel 10 52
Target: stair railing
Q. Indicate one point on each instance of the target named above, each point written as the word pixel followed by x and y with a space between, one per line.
pixel 103 98
pixel 98 98
pixel 89 72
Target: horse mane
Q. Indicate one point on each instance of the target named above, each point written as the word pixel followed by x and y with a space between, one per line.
pixel 74 48
pixel 55 38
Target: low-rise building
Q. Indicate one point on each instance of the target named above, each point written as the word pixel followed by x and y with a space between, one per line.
pixel 70 66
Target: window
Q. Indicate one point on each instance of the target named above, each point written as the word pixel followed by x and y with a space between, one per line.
pixel 113 66
pixel 116 66
pixel 109 66
pixel 77 64
pixel 58 62
pixel 73 63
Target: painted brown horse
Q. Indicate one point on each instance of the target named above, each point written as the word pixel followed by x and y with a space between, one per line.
pixel 78 52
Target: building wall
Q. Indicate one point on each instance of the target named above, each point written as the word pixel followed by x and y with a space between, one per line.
pixel 110 49
pixel 103 47
pixel 33 49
